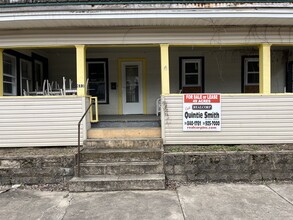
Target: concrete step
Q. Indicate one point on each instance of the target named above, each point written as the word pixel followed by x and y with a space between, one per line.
pixel 114 183
pixel 118 168
pixel 132 132
pixel 124 143
pixel 117 155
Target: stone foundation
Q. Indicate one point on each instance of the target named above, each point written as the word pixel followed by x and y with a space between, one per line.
pixel 229 166
pixel 36 166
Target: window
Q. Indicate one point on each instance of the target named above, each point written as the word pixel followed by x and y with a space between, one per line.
pixel 191 69
pixel 191 79
pixel 97 72
pixel 26 75
pixel 251 71
pixel 9 75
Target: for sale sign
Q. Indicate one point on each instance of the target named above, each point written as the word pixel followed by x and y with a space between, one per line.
pixel 202 112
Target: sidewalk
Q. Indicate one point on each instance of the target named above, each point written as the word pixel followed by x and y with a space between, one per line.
pixel 209 201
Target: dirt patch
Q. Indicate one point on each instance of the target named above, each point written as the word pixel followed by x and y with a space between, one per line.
pixel 225 148
pixel 40 151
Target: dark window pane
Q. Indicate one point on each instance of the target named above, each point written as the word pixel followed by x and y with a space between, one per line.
pixel 253 78
pixel 25 70
pixel 191 79
pixel 191 67
pixel 39 74
pixel 98 89
pixel 97 72
pixel 7 88
pixel 253 66
pixel 7 79
pixel 97 80
pixel 7 68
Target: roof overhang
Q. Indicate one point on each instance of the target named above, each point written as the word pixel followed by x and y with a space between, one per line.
pixel 138 15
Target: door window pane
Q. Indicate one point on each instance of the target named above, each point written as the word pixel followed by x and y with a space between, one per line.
pixel 132 83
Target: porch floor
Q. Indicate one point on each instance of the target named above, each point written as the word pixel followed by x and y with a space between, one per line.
pixel 128 118
pixel 112 121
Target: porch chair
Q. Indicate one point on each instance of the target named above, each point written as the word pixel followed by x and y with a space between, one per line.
pixel 158 106
pixel 51 91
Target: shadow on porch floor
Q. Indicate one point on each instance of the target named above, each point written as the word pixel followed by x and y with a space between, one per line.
pixel 127 121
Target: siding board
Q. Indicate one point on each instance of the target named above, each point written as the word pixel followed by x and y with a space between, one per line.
pixel 101 36
pixel 34 121
pixel 246 119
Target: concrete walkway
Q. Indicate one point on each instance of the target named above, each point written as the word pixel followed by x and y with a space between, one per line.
pixel 209 201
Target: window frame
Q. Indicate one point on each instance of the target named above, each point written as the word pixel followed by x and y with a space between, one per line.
pixel 106 76
pixel 30 76
pixel 14 76
pixel 246 61
pixel 182 72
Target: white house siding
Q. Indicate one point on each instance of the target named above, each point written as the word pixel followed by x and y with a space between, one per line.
pixel 40 121
pixel 246 119
pixel 113 36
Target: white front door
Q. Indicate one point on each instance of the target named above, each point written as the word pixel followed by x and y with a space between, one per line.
pixel 132 87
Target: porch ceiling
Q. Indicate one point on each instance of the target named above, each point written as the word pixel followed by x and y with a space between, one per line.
pixel 190 17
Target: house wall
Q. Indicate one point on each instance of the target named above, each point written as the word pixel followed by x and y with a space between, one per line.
pixel 246 119
pixel 63 63
pixel 242 35
pixel 40 121
pixel 222 69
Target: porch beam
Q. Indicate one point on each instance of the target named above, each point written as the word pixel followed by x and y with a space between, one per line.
pixel 81 69
pixel 165 79
pixel 265 68
pixel 1 72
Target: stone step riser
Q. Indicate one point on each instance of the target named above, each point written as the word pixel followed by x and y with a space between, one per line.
pixel 116 185
pixel 120 156
pixel 121 169
pixel 108 133
pixel 124 144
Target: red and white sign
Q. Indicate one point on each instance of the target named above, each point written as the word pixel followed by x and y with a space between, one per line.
pixel 202 112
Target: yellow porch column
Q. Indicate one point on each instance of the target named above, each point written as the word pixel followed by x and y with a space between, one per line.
pixel 165 69
pixel 1 72
pixel 265 68
pixel 81 69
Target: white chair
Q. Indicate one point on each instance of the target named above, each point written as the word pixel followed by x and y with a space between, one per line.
pixel 64 85
pixel 24 93
pixel 158 106
pixel 87 85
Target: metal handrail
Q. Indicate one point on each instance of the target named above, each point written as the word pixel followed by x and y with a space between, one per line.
pixel 78 149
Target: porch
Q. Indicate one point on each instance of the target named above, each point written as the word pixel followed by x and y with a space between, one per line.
pixel 264 70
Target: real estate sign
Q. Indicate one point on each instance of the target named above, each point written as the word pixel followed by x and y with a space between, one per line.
pixel 202 112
